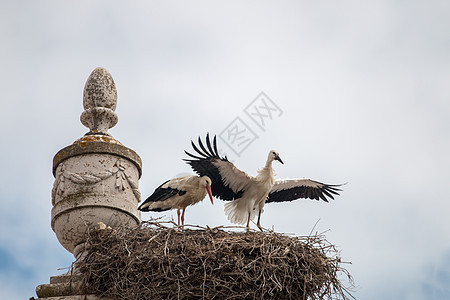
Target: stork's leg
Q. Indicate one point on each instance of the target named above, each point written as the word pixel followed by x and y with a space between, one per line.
pixel 259 219
pixel 182 217
pixel 248 222
pixel 178 213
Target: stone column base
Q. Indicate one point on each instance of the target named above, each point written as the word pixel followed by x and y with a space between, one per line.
pixel 64 287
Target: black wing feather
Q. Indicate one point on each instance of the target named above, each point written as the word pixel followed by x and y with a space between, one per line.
pixel 319 192
pixel 203 147
pixel 193 156
pixel 198 151
pixel 161 194
pixel 204 166
pixel 208 144
pixel 215 146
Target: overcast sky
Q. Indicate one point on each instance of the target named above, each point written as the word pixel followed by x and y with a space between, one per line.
pixel 361 91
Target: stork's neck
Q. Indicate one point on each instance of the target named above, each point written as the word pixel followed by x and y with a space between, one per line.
pixel 268 163
pixel 266 172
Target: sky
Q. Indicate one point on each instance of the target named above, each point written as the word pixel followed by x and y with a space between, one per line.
pixel 349 91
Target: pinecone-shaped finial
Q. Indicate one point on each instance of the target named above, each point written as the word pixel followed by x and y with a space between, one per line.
pixel 99 101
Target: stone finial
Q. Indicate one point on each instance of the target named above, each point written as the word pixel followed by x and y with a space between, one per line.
pixel 99 101
pixel 96 178
pixel 96 182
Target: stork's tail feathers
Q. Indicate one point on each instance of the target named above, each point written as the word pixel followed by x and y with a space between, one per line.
pixel 152 206
pixel 144 206
pixel 237 211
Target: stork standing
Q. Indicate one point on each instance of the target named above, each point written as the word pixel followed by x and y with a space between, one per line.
pixel 177 194
pixel 250 193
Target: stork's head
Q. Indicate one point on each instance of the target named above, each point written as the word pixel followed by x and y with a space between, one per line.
pixel 274 155
pixel 205 182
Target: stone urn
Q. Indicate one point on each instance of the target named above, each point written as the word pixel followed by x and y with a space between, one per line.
pixel 96 178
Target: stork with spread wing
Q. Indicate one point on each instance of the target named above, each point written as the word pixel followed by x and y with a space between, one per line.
pixel 248 194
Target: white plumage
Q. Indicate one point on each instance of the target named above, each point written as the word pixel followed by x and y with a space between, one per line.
pixel 255 191
pixel 248 194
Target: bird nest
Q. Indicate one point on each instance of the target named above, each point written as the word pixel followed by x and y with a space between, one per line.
pixel 156 260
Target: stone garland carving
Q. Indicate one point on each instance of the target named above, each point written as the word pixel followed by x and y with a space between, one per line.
pixel 118 170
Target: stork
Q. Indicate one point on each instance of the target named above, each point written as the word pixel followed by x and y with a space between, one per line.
pixel 177 194
pixel 248 194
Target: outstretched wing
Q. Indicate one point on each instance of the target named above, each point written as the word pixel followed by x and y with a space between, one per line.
pixel 165 191
pixel 228 182
pixel 292 189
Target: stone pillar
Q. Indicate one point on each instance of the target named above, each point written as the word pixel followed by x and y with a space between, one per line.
pixel 96 179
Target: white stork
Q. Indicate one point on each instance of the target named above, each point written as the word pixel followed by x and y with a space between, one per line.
pixel 249 193
pixel 177 194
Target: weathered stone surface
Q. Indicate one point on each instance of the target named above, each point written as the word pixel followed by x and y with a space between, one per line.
pixel 64 278
pixel 64 287
pixel 100 90
pixel 99 101
pixel 58 289
pixel 97 144
pixel 96 180
pixel 93 188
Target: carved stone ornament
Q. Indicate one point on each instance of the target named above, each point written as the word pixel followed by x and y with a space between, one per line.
pixel 99 101
pixel 93 188
pixel 96 182
pixel 96 178
pixel 121 177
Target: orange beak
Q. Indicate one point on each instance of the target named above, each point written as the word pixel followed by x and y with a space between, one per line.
pixel 208 189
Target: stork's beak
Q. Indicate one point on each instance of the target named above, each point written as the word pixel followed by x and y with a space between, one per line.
pixel 208 189
pixel 277 157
